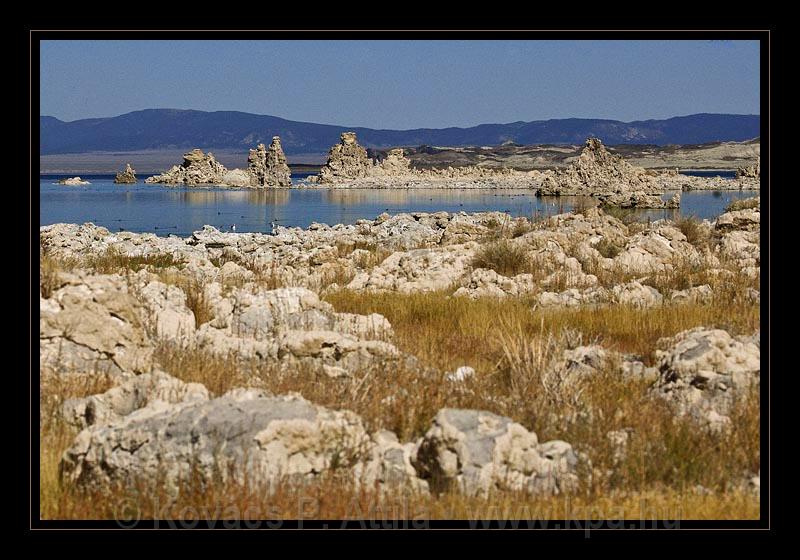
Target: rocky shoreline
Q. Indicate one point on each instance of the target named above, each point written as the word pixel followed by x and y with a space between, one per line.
pixel 262 302
pixel 444 244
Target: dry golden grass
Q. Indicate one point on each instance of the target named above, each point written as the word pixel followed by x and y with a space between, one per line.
pixel 197 302
pixel 608 277
pixel 391 401
pixel 370 254
pixel 48 275
pixel 521 227
pixel 502 256
pixel 112 261
pixel 508 228
pixel 666 462
pixel 447 332
pixel 369 260
pixel 344 248
pixel 339 274
pixel 55 435
pixel 510 345
pixel 691 227
pixel 329 499
pixel 671 468
pixel 729 285
pixel 50 267
pixel 494 224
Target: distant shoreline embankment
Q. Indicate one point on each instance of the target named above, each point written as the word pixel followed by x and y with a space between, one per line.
pixel 717 156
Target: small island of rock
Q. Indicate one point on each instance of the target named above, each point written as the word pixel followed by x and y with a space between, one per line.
pixel 73 182
pixel 126 177
pixel 267 167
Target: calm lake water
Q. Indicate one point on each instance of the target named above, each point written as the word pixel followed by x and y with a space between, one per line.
pixel 180 211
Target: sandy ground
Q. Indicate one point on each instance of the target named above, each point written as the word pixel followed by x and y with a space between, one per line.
pixel 725 155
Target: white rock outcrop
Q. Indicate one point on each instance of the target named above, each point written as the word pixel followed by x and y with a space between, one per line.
pixel 127 176
pixel 73 182
pixel 475 452
pixel 198 168
pixel 704 372
pixel 346 160
pixel 244 435
pixel 267 167
pixel 128 397
pixel 93 324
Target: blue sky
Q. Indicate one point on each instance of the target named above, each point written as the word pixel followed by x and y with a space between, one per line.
pixel 402 84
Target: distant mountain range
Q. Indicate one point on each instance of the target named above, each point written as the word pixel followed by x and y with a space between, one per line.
pixel 170 129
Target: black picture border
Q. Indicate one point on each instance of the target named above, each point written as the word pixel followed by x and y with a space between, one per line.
pixel 579 528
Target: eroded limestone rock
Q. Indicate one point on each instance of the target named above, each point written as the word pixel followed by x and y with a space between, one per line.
pixel 638 199
pixel 476 451
pixel 598 172
pixel 242 435
pixel 197 168
pixel 704 372
pixel 128 176
pixel 632 293
pixel 92 324
pixel 157 428
pixel 419 270
pixel 750 171
pixel 396 164
pixel 434 251
pixel 268 167
pixel 167 310
pixel 389 466
pixel 131 395
pixel 294 325
pixel 743 220
pixel 346 160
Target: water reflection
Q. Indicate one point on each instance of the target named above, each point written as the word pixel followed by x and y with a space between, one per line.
pixel 273 197
pixel 229 196
pixel 350 197
pixel 165 210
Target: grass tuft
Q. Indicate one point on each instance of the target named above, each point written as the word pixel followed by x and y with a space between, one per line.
pixel 608 248
pixel 113 261
pixel 503 256
pixel 691 227
pixel 197 302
